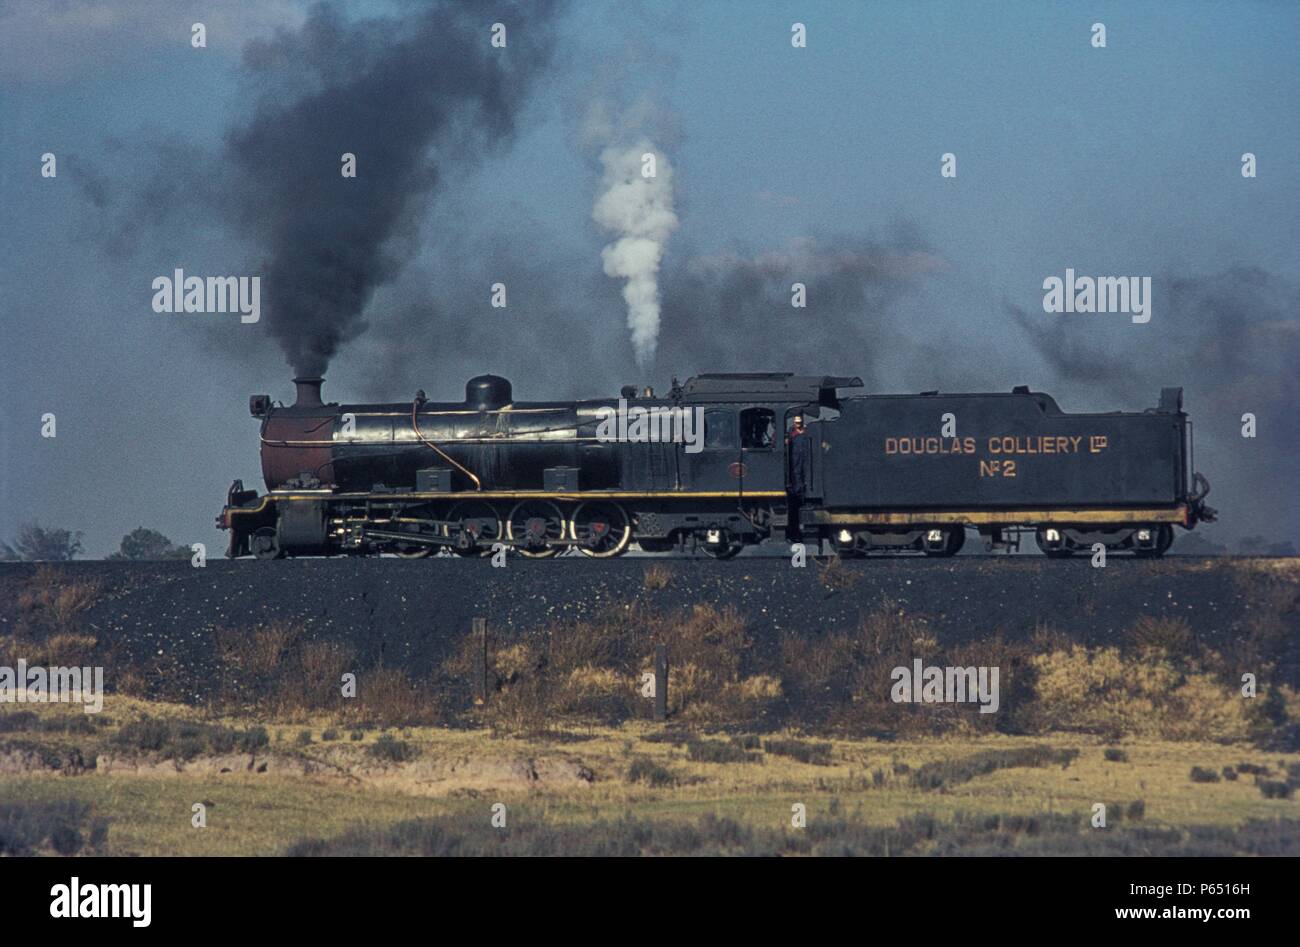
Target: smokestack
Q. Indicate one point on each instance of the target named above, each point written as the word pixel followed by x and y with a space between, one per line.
pixel 308 391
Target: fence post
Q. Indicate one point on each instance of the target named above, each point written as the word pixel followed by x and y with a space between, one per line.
pixel 480 661
pixel 661 682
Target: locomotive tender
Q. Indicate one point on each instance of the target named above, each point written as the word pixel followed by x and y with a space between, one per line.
pixel 888 473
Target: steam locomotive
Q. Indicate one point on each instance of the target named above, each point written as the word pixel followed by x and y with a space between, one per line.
pixel 707 468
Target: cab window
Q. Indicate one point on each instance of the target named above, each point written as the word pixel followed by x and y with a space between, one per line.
pixel 757 429
pixel 719 428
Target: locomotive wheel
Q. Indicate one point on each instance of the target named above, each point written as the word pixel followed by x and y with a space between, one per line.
pixel 412 550
pixel 535 525
pixel 601 529
pixel 265 543
pixel 480 527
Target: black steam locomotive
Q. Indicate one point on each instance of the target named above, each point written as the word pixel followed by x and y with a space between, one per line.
pixel 708 468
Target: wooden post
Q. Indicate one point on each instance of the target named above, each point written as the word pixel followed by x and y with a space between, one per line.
pixel 661 682
pixel 480 661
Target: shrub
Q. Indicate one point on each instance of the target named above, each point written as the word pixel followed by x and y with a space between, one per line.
pixel 1115 755
pixel 1097 690
pixel 186 739
pixel 645 770
pixel 1202 775
pixel 715 751
pixel 943 773
pixel 1274 789
pixel 816 754
pixel 27 827
pixel 392 750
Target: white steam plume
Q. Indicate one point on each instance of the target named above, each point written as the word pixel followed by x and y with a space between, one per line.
pixel 640 210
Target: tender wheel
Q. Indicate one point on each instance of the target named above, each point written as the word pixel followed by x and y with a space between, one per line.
pixel 947 543
pixel 1164 539
pixel 479 527
pixel 535 526
pixel 265 543
pixel 601 529
pixel 1053 543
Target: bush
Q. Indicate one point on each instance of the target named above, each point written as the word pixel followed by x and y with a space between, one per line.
pixel 715 751
pixel 1274 789
pixel 923 834
pixel 944 773
pixel 392 750
pixel 1098 690
pixel 1202 775
pixel 27 827
pixel 1115 755
pixel 644 770
pixel 186 739
pixel 816 754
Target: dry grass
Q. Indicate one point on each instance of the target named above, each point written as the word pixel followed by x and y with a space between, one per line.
pixel 1099 690
pixel 835 576
pixel 69 650
pixel 51 593
pixel 460 773
pixel 657 576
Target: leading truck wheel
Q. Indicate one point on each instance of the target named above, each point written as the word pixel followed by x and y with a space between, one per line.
pixel 265 543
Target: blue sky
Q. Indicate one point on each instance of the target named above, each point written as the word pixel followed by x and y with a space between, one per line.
pixel 1117 161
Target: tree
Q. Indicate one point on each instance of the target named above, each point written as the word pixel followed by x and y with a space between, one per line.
pixel 35 543
pixel 142 543
pixel 1252 546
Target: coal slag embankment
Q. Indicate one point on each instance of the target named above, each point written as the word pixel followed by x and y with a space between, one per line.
pixel 413 614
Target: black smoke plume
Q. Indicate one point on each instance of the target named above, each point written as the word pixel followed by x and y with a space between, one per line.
pixel 1232 341
pixel 413 99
